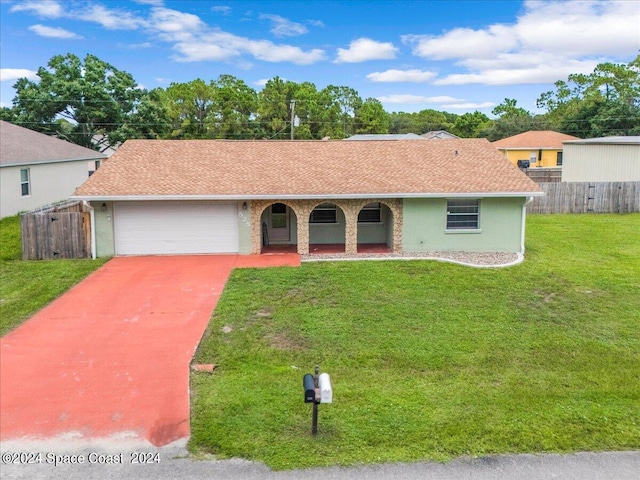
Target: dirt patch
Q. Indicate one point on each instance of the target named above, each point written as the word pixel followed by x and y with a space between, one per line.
pixel 281 341
pixel 264 313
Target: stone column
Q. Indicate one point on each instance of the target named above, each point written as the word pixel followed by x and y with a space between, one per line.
pixel 302 210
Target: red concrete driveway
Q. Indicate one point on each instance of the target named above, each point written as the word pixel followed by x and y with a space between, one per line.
pixel 112 355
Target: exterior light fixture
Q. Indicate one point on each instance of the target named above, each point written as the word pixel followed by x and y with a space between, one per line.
pixel 103 207
pixel 244 205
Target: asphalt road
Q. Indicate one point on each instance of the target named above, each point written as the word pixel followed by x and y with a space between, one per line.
pixel 172 462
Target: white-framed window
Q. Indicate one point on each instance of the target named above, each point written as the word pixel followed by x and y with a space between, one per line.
pixel 25 182
pixel 559 159
pixel 463 214
pixel 93 166
pixel 370 213
pixel 324 213
pixel 533 156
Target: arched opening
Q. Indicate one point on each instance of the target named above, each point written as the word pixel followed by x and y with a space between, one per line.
pixel 278 229
pixel 375 228
pixel 327 229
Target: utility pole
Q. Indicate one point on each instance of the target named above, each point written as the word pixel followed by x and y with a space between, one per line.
pixel 292 105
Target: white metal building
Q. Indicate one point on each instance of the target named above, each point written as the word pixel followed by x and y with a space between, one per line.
pixel 605 159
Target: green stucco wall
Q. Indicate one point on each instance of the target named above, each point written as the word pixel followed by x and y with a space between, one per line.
pixel 105 243
pixel 377 232
pixel 425 220
pixel 328 232
pixel 244 228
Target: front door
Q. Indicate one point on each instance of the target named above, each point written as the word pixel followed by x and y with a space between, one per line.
pixel 279 223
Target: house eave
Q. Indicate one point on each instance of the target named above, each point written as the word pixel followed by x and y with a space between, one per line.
pixel 28 163
pixel 128 198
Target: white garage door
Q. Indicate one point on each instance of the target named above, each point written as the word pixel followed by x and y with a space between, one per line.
pixel 147 228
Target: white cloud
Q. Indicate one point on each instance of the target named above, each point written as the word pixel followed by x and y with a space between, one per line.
pixel 467 106
pixel 364 49
pixel 415 76
pixel 135 46
pixel 193 40
pixel 219 45
pixel 54 32
pixel 549 40
pixel 8 74
pixel 413 99
pixel 110 19
pixel 282 27
pixel 581 28
pixel 540 73
pixel 175 23
pixel 155 3
pixel 261 83
pixel 462 42
pixel 42 8
pixel 223 9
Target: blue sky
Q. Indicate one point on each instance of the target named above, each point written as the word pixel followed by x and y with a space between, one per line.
pixel 456 56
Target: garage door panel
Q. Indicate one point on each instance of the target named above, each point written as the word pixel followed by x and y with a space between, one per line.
pixel 147 228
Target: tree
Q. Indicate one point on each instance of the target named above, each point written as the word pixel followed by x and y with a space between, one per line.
pixel 95 97
pixel 274 114
pixel 348 101
pixel 511 120
pixel 470 125
pixel 188 107
pixel 604 102
pixel 371 117
pixel 421 122
pixel 149 120
pixel 234 105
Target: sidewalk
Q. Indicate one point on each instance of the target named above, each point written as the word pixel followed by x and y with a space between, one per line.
pixel 172 462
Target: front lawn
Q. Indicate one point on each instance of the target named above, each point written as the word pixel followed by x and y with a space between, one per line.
pixel 431 360
pixel 27 286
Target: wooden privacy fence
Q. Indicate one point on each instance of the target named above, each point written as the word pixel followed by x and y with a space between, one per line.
pixel 58 231
pixel 544 174
pixel 587 197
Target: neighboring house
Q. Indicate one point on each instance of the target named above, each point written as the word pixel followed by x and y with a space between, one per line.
pixel 439 135
pixel 534 148
pixel 385 136
pixel 605 159
pixel 99 142
pixel 36 169
pixel 218 196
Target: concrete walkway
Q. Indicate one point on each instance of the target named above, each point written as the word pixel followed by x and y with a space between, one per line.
pixel 172 463
pixel 111 356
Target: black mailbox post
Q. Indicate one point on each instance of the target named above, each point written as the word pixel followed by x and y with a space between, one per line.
pixel 309 388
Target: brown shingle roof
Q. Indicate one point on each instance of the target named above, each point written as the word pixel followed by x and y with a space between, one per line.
pixel 19 145
pixel 269 168
pixel 534 140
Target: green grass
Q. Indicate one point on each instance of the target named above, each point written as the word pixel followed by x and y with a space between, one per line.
pixel 27 286
pixel 430 361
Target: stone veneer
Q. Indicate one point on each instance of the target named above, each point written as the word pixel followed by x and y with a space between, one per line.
pixel 303 209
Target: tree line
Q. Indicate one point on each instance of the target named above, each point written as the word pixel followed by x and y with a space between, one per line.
pixel 92 103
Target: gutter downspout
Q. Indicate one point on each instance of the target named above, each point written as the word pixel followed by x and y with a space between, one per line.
pixel 93 229
pixel 524 221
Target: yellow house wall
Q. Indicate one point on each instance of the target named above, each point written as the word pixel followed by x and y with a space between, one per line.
pixel 549 157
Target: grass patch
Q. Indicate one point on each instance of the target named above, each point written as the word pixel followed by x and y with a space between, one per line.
pixel 431 361
pixel 27 286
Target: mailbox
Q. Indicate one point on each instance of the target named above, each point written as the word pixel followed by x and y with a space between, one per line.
pixel 309 388
pixel 324 383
